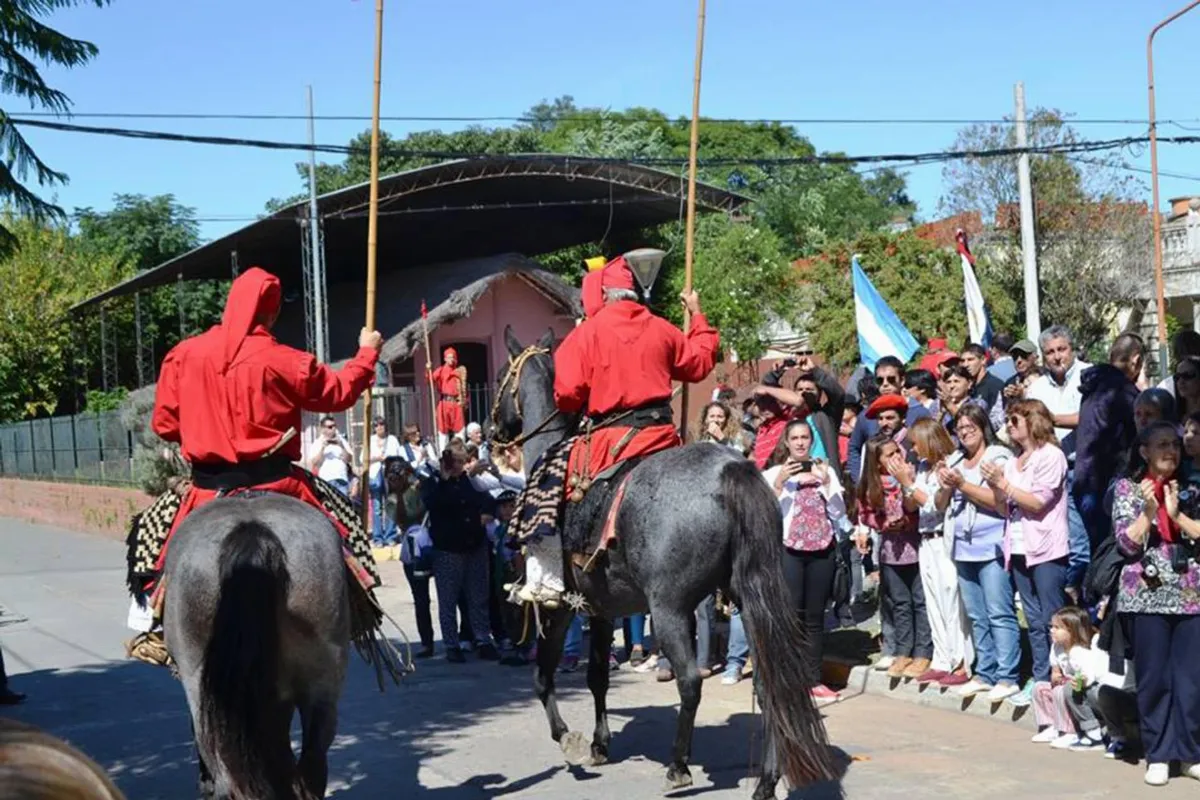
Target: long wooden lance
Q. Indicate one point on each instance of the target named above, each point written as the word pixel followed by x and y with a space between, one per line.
pixel 690 240
pixel 429 372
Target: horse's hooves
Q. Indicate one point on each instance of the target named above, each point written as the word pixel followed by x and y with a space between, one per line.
pixel 599 756
pixel 576 748
pixel 677 779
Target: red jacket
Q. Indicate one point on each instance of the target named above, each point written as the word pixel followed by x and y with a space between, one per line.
pixel 625 357
pixel 229 394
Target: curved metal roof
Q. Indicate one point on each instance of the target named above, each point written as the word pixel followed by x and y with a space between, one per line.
pixel 529 204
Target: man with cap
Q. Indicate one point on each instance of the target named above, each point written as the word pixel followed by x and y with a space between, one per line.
pixel 232 398
pixel 450 383
pixel 1025 362
pixel 617 367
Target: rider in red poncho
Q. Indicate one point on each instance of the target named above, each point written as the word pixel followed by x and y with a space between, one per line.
pixel 617 367
pixel 232 397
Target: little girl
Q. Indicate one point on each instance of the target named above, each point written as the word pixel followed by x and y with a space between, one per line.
pixel 1055 707
pixel 881 510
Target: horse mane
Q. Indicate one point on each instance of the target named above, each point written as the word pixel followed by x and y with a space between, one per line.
pixel 37 766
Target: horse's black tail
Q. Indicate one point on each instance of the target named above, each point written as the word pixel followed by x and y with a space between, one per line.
pixel 777 638
pixel 241 719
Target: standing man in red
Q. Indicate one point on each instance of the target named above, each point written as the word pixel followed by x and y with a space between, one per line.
pixel 232 398
pixel 617 367
pixel 450 381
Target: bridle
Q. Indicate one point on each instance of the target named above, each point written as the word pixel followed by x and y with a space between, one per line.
pixel 512 384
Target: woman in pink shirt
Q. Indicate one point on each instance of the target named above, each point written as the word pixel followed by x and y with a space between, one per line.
pixel 1031 491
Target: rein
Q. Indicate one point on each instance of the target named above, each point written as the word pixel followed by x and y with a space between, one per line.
pixel 512 383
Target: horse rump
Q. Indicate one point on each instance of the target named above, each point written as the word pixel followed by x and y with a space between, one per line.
pixel 800 741
pixel 242 718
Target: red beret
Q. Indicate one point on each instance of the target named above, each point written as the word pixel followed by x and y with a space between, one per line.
pixel 888 402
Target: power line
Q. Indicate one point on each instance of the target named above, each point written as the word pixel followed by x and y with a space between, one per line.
pixel 263 117
pixel 1064 148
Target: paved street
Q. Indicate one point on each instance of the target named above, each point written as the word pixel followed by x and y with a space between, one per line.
pixel 475 730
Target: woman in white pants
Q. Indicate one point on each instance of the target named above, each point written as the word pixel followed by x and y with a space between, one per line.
pixel 952 650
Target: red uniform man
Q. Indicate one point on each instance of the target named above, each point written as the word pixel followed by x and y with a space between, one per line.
pixel 450 382
pixel 231 398
pixel 622 358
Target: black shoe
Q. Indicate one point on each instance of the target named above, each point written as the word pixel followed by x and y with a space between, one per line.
pixel 455 656
pixel 10 698
pixel 488 652
pixel 425 652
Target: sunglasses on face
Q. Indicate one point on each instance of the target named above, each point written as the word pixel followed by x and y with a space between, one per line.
pixel 1185 376
pixel 1014 420
pixel 889 379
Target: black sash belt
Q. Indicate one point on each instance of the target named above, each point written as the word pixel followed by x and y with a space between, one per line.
pixel 645 417
pixel 224 477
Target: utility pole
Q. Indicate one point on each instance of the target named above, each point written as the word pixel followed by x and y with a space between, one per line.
pixel 317 260
pixel 1033 318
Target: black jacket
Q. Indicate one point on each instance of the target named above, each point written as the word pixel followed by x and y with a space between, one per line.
pixel 827 420
pixel 456 509
pixel 1106 432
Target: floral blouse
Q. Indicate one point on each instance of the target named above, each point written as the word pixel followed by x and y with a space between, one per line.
pixel 1169 592
pixel 813 507
pixel 899 539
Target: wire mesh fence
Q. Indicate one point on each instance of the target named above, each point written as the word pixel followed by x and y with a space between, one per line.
pixel 83 447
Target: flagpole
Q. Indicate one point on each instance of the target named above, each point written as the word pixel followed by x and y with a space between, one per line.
pixel 690 236
pixel 429 373
pixel 372 246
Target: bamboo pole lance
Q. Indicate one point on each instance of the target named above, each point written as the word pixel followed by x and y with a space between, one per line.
pixel 372 245
pixel 429 374
pixel 690 236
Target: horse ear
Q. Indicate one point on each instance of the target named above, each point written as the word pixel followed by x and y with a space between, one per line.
pixel 547 340
pixel 511 341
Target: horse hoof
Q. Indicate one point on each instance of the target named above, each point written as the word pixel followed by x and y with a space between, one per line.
pixel 576 748
pixel 678 779
pixel 599 756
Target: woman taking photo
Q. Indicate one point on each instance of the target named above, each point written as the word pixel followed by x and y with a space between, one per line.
pixel 975 529
pixel 1031 491
pixel 814 518
pixel 1156 519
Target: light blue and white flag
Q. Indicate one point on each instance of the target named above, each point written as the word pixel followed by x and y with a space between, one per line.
pixel 880 331
pixel 979 325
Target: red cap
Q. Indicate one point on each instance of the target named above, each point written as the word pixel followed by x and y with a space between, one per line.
pixel 888 402
pixel 615 275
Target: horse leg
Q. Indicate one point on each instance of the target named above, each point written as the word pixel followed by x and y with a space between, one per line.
pixel 768 778
pixel 674 631
pixel 597 679
pixel 211 776
pixel 549 653
pixel 318 723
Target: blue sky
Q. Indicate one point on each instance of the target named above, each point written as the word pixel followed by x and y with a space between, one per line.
pixel 763 59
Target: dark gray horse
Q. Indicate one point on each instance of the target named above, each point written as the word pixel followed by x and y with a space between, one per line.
pixel 694 519
pixel 257 618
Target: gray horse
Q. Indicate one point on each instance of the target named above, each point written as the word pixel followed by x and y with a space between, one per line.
pixel 694 519
pixel 257 618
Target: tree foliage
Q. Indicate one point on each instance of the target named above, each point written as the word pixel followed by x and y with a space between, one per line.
pixel 1091 226
pixel 921 282
pixel 26 41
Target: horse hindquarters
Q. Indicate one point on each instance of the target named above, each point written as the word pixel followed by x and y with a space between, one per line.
pixel 795 733
pixel 243 723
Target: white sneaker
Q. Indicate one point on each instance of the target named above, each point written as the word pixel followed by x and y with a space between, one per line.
pixel 1002 691
pixel 1045 736
pixel 1065 741
pixel 729 679
pixel 973 687
pixel 1188 770
pixel 1158 774
pixel 884 663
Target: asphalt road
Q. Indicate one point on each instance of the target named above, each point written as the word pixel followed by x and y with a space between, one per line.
pixel 475 730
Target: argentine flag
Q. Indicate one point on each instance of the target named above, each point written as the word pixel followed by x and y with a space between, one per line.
pixel 979 326
pixel 880 331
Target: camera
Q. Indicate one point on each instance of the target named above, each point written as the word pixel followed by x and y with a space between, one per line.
pixel 790 362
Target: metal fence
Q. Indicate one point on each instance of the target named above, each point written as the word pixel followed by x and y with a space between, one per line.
pixel 83 447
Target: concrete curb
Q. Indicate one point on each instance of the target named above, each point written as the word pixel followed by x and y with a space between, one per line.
pixel 864 680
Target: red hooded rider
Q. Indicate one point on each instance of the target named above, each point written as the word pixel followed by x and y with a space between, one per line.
pixel 232 398
pixel 617 367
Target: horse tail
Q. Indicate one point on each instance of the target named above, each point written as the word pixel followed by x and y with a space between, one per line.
pixel 776 637
pixel 240 718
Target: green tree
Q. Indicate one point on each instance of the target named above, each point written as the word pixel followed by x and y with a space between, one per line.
pixel 24 40
pixel 43 277
pixel 921 282
pixel 1091 224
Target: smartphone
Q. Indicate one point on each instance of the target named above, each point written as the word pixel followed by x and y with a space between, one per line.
pixel 806 466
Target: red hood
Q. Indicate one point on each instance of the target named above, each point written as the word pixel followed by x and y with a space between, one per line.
pixel 626 319
pixel 615 275
pixel 254 297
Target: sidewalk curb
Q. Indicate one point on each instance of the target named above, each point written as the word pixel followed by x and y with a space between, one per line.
pixel 864 680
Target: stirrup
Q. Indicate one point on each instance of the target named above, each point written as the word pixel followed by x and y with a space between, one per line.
pixel 149 648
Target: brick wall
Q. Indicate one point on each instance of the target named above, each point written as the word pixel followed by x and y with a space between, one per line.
pixel 104 510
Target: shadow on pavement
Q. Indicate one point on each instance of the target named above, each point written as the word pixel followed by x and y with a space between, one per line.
pixel 133 720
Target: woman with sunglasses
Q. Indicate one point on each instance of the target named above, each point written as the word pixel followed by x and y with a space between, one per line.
pixel 1187 386
pixel 1030 490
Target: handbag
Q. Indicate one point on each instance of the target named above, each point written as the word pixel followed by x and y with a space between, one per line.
pixel 841 572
